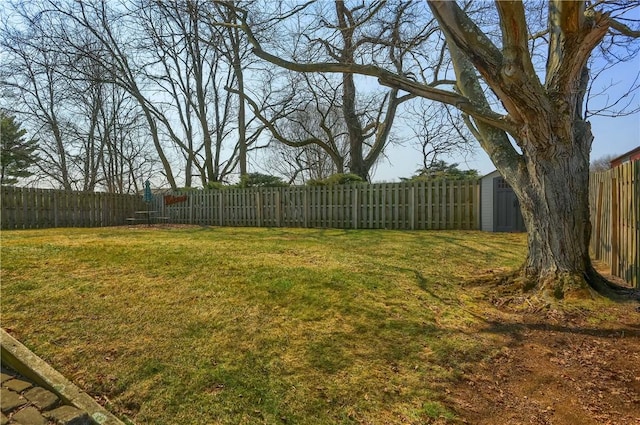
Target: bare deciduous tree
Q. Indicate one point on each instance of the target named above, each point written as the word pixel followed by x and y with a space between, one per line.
pixel 85 124
pixel 190 76
pixel 438 131
pixel 601 164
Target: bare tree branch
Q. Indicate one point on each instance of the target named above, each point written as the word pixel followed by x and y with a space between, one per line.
pixel 624 29
pixel 386 78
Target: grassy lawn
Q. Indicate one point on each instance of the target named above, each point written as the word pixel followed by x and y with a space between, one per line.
pixel 246 325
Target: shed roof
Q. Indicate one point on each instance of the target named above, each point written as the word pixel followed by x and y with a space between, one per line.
pixel 489 174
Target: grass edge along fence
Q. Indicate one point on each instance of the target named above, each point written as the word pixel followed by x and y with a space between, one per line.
pixel 30 208
pixel 415 205
pixel 615 220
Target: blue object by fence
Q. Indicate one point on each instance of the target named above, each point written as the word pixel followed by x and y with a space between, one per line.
pixel 148 196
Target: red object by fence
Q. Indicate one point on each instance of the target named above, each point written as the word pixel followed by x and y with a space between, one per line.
pixel 170 199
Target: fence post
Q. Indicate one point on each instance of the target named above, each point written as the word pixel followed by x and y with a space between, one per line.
pixel 452 209
pixel 615 260
pixel 306 210
pixel 635 187
pixel 221 207
pixel 383 202
pixel 278 207
pixel 259 206
pixel 24 199
pixel 354 207
pixel 474 207
pixel 598 232
pixel 412 206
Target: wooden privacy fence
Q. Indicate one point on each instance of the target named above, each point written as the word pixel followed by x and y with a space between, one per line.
pixel 615 219
pixel 28 208
pixel 420 205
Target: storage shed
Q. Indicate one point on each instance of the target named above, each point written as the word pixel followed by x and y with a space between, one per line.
pixel 499 206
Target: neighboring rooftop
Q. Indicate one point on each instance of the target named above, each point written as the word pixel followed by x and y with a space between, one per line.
pixel 632 155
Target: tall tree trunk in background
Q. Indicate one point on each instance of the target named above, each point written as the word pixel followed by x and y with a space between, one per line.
pixel 242 124
pixel 354 127
pixel 153 129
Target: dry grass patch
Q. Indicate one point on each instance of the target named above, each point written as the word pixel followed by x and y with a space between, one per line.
pixel 242 325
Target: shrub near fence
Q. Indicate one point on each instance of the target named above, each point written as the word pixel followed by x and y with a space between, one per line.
pixel 29 208
pixel 615 219
pixel 416 205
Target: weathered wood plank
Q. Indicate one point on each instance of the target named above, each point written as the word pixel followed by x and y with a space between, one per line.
pixel 614 198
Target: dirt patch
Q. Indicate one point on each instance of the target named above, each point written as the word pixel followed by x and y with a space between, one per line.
pixel 557 368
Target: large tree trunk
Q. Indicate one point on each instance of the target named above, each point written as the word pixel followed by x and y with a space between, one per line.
pixel 551 175
pixel 553 190
pixel 554 200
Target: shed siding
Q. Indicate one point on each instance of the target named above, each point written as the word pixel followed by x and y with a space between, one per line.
pixel 486 201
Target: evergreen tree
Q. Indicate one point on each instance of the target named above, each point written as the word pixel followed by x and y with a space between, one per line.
pixel 17 154
pixel 440 170
pixel 261 180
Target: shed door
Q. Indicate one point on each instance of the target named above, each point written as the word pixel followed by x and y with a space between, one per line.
pixel 506 208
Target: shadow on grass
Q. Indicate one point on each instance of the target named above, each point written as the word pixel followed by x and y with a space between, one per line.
pixel 462 240
pixel 517 330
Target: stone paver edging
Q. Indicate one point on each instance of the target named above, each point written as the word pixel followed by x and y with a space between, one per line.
pixel 22 360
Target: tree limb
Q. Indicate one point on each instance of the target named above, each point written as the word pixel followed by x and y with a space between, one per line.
pixel 274 131
pixel 515 47
pixel 385 78
pixel 485 56
pixel 389 79
pixel 624 29
pixel 573 36
pixel 492 138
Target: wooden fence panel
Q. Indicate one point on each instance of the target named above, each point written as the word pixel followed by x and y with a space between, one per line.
pixel 419 205
pixel 416 205
pixel 615 218
pixel 30 208
pixel 8 207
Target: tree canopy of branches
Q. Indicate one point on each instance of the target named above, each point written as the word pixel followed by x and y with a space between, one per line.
pixel 130 90
pixel 120 92
pixel 340 114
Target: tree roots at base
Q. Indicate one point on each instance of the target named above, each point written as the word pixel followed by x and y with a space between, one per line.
pixel 538 293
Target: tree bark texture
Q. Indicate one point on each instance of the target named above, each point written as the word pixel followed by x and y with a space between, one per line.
pixel 554 200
